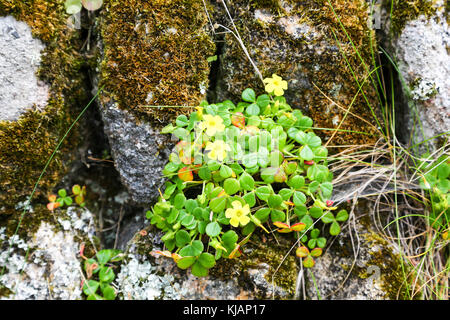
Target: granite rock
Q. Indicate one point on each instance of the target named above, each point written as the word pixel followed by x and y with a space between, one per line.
pixel 420 50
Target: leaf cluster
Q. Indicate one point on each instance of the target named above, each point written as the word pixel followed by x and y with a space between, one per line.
pixel 274 164
pixel 100 274
pixel 435 178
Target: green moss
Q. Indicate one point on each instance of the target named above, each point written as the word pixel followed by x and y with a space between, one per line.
pixel 299 45
pixel 155 53
pixel 392 277
pixel 257 253
pixel 27 144
pixel 5 292
pixel 404 11
pixel 447 10
pixel 31 221
pixel 273 5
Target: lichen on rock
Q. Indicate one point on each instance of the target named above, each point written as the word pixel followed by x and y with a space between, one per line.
pixel 144 275
pixel 38 45
pixel 45 264
pixel 28 140
pixel 20 58
pixel 420 50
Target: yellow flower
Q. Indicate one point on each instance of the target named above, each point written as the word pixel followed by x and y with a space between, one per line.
pixel 217 150
pixel 212 124
pixel 238 214
pixel 276 85
pixel 199 112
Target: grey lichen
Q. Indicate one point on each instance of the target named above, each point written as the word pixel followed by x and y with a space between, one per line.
pixel 45 265
pixel 137 280
pixel 20 57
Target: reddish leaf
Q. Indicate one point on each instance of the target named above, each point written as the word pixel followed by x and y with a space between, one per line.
pixel 280 176
pixel 185 174
pixel 165 253
pixel 52 206
pixel 238 120
pixel 176 257
pixel 234 252
pixel 302 252
pixel 281 225
pixel 79 200
pixel 298 226
pixel 317 252
pixel 284 230
pixel 76 189
pixel 309 262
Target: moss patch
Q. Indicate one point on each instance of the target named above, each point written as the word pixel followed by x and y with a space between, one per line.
pixel 298 44
pixel 155 53
pixel 273 5
pixel 390 265
pixel 26 144
pixel 392 278
pixel 258 253
pixel 402 11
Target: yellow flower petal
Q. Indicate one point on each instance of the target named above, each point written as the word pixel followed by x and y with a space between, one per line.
pixel 269 87
pixel 212 155
pixel 234 222
pixel 236 204
pixel 244 220
pixel 278 91
pixel 199 112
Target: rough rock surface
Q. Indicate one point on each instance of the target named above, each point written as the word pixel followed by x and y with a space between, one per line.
pixel 20 57
pixel 375 273
pixel 359 265
pixel 42 90
pixel 52 270
pixel 140 152
pixel 421 51
pixel 151 276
